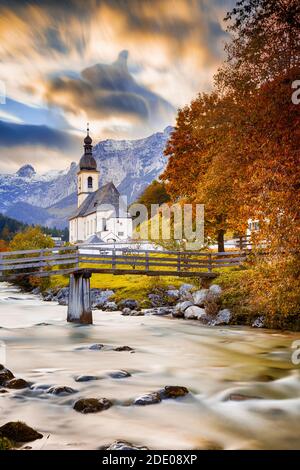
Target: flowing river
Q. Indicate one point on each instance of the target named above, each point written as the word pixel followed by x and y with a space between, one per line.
pixel 244 388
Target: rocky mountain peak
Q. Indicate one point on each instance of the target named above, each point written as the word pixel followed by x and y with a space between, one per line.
pixel 26 171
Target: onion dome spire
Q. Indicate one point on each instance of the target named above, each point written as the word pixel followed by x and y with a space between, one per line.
pixel 87 161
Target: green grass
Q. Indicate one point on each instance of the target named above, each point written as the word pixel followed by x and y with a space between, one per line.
pixel 127 286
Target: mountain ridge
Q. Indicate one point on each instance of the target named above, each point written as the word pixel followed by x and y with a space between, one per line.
pixel 50 198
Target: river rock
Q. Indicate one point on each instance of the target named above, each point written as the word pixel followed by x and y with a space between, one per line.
pixel 173 293
pixel 156 300
pixel 2 390
pixel 5 375
pixel 36 291
pixel 159 311
pixel 61 390
pixel 100 297
pixel 136 313
pixel 259 322
pixel 123 348
pixel 128 303
pixel 194 313
pixel 85 378
pixel 173 391
pixel 199 297
pixel 19 432
pixel 110 306
pixel 123 445
pixel 148 399
pixel 92 405
pixel 180 308
pixel 185 292
pixel 119 374
pixel 62 296
pixel 96 347
pixel 126 311
pixel 17 384
pixel 223 318
pixel 215 289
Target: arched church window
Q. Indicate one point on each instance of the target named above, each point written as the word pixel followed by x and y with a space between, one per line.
pixel 90 182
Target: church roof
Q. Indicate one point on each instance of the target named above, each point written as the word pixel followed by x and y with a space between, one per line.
pixel 104 196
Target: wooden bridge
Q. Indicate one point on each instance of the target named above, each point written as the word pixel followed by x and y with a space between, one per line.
pixel 81 262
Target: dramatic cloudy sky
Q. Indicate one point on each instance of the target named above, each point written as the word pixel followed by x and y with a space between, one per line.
pixel 123 65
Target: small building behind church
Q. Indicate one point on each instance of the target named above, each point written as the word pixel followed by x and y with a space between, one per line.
pixel 101 215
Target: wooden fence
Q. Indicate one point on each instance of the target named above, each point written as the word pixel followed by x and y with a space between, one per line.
pixel 65 260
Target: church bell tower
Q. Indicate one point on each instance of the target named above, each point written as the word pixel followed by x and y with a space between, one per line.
pixel 88 175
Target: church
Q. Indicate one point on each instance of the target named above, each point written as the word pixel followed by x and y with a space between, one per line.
pixel 101 215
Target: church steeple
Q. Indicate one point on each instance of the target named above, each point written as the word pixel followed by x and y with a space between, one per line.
pixel 87 161
pixel 87 176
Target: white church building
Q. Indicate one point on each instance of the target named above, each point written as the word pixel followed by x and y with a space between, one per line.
pixel 102 214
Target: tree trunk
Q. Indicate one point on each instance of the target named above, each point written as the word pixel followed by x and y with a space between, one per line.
pixel 220 238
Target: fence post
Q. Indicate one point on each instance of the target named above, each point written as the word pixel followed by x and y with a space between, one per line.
pixel 147 261
pixel 209 262
pixel 178 261
pixel 41 261
pixel 113 263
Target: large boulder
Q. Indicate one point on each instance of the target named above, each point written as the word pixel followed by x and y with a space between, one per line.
pixel 194 313
pixel 200 296
pixel 100 297
pixel 5 375
pixel 173 294
pixel 185 292
pixel 223 317
pixel 180 308
pixel 62 296
pixel 128 303
pixel 215 289
pixel 19 432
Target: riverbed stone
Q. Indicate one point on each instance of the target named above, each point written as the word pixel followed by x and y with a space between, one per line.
pixel 126 312
pixel 173 293
pixel 185 292
pixel 156 300
pixel 17 384
pixel 19 432
pixel 61 390
pixel 173 391
pixel 123 348
pixel 85 378
pixel 119 374
pixel 194 313
pixel 123 445
pixel 2 391
pixel 148 399
pixel 5 375
pixel 259 322
pixel 199 297
pixel 224 317
pixel 62 296
pixel 159 311
pixel 99 297
pixel 92 405
pixel 180 308
pixel 96 347
pixel 128 303
pixel 110 306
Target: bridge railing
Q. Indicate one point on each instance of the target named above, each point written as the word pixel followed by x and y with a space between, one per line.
pixel 59 260
pixel 64 260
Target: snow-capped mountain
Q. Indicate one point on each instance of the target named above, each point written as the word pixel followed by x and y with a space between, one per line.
pixel 50 198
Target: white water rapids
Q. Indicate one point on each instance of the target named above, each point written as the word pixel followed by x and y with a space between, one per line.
pixel 212 363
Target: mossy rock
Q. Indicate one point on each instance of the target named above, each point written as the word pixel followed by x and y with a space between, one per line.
pixel 5 444
pixel 92 405
pixel 19 432
pixel 5 375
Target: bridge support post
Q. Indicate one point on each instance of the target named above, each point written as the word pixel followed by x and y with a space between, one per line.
pixel 79 307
